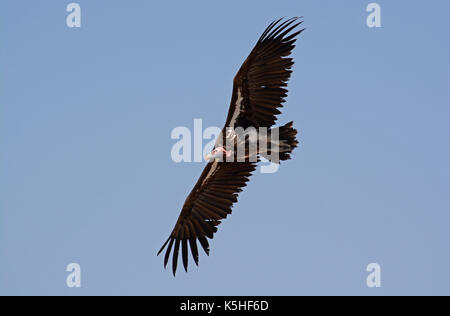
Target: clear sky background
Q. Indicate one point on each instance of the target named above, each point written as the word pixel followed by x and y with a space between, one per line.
pixel 86 174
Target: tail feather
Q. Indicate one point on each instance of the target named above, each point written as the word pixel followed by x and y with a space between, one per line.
pixel 286 144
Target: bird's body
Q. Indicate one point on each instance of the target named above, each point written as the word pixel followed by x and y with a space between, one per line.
pixel 258 92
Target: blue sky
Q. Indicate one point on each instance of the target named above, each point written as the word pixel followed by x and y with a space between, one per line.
pixel 86 174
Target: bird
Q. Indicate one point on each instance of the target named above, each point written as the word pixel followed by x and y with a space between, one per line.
pixel 259 90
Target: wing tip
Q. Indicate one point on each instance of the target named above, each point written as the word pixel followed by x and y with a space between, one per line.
pixel 163 246
pixel 275 27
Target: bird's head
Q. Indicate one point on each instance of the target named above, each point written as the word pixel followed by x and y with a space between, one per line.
pixel 217 153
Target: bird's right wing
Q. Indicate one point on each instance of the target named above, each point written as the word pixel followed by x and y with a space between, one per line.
pixel 209 202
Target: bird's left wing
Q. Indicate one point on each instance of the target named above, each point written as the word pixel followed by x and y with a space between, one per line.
pixel 209 202
pixel 259 87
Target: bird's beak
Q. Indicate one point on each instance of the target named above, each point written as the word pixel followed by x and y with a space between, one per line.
pixel 208 157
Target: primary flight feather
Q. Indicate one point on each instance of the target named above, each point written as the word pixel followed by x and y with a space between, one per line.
pixel 258 93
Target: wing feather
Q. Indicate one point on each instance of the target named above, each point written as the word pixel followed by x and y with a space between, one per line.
pixel 258 86
pixel 209 203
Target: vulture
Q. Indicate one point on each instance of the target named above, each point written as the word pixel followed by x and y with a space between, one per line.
pixel 259 91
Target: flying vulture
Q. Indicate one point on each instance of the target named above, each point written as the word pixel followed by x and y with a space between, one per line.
pixel 258 93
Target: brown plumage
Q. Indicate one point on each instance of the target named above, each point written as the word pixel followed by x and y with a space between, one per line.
pixel 258 92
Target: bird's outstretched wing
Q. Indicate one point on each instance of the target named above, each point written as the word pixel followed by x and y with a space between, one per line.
pixel 209 202
pixel 258 87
